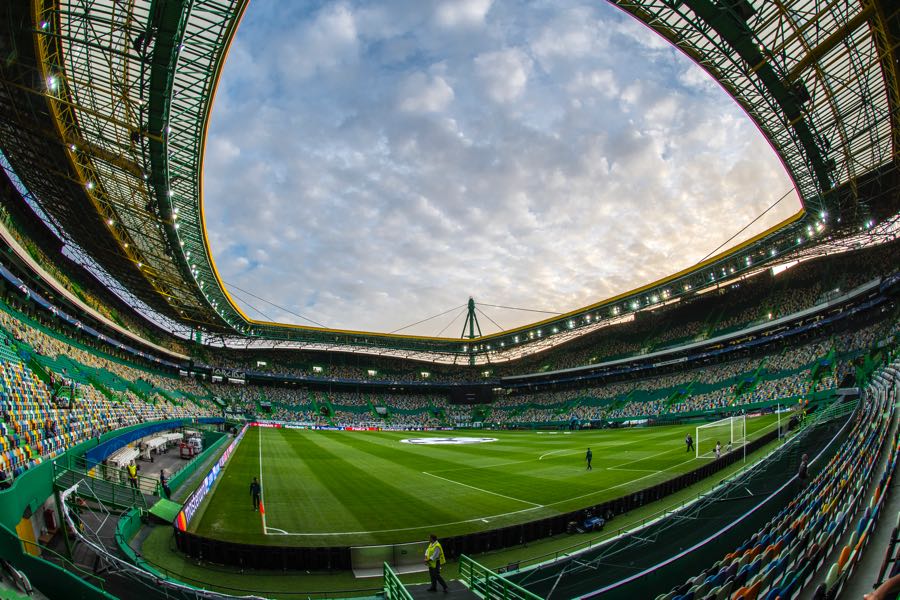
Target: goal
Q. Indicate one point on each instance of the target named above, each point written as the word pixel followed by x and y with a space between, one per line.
pixel 731 432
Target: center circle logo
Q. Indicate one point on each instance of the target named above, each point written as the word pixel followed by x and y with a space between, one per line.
pixel 434 441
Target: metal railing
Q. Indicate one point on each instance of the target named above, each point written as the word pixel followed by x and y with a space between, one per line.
pixel 53 557
pixel 102 490
pixel 488 584
pixel 148 485
pixel 393 587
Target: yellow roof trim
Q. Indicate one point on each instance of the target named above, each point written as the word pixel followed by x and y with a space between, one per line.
pixel 799 215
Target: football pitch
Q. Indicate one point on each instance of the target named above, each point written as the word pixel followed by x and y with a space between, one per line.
pixel 339 488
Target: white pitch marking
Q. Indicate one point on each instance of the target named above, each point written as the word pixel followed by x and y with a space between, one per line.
pixel 281 531
pixel 472 487
pixel 620 485
pixel 572 450
pixel 265 529
pixel 506 514
pixel 631 462
pixel 632 470
pixel 419 528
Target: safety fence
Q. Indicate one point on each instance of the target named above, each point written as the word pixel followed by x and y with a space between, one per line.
pixel 393 588
pixel 486 583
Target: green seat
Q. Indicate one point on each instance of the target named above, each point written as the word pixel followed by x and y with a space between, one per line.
pixel 831 578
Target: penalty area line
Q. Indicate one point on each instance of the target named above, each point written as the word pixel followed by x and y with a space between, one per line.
pixel 472 487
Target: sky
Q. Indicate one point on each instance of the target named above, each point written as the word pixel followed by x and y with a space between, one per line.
pixel 373 164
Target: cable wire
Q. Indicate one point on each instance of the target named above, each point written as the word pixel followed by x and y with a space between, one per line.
pixel 275 305
pixel 546 312
pixel 490 319
pixel 244 300
pixel 744 228
pixel 452 321
pixel 428 319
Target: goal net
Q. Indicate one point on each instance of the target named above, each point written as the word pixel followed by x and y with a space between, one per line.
pixel 730 432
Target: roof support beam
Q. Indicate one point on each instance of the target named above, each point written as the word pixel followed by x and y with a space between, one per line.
pixel 830 42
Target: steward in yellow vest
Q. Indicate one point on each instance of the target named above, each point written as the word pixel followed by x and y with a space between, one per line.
pixel 132 475
pixel 434 558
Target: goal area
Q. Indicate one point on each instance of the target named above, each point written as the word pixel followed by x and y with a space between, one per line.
pixel 730 432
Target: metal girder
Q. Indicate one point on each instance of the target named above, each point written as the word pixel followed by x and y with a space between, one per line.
pixel 107 72
pixel 807 71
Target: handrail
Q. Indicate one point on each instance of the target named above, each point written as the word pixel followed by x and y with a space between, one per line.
pixel 487 584
pixel 128 496
pixel 68 564
pixel 393 587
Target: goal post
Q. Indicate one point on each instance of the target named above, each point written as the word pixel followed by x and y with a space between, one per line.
pixel 731 432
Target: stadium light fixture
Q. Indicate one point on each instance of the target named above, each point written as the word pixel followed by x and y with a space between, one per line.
pixel 51 83
pixel 89 185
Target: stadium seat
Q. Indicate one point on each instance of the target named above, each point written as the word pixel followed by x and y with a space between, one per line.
pixel 842 559
pixel 831 578
pixel 819 593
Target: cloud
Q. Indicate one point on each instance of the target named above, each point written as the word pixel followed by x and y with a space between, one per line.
pixel 461 13
pixel 504 73
pixel 371 164
pixel 423 93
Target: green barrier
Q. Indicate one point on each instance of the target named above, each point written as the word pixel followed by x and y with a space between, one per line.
pixel 50 579
pixel 28 492
pixel 487 584
pixel 393 588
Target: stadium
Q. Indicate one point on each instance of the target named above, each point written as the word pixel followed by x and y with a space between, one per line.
pixel 727 430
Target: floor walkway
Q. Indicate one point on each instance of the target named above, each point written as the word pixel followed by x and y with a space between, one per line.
pixel 457 592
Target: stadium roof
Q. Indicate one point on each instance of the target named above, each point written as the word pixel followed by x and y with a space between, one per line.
pixel 104 109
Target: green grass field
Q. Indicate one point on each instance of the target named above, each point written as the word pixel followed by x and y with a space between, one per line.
pixel 323 488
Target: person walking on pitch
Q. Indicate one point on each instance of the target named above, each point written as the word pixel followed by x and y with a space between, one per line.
pixel 256 494
pixel 588 457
